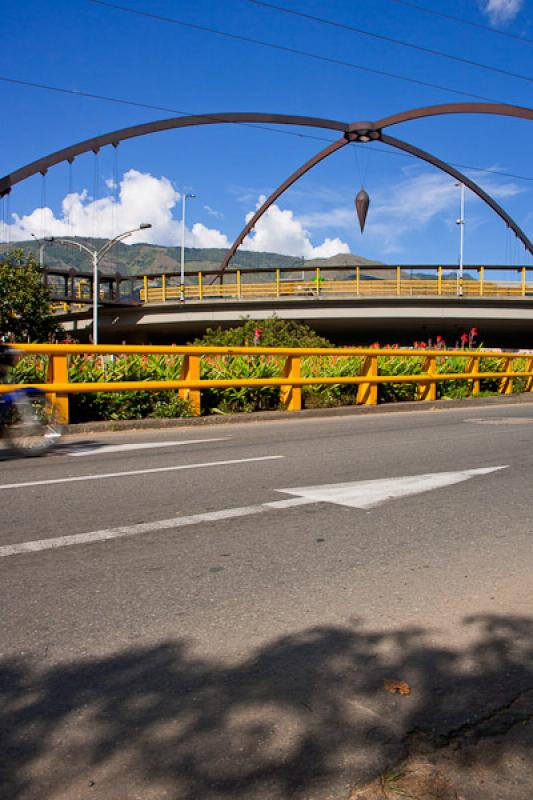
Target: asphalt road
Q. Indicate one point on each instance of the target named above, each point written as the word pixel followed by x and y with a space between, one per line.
pixel 182 626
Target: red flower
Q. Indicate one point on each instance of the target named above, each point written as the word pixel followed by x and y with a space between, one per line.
pixel 439 339
pixel 473 332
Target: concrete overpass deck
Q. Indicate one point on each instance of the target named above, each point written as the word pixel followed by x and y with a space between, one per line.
pixel 346 320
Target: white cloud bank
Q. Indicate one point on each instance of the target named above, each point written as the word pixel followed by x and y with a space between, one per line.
pixel 501 11
pixel 141 197
pixel 397 214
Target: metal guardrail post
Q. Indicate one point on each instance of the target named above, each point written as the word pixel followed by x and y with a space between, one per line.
pixel 291 396
pixel 398 281
pixel 439 281
pixel 428 391
pixel 523 281
pixel 357 280
pixel 239 294
pixel 317 279
pixel 529 381
pixel 277 283
pixel 58 373
pixel 145 284
pixel 200 286
pixel 164 288
pixel 506 384
pixel 190 371
pixel 481 281
pixel 367 393
pixel 472 367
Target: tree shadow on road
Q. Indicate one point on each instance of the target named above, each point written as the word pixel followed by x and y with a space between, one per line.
pixel 305 715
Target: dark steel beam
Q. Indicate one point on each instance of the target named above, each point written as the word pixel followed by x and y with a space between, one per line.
pixel 327 151
pixel 459 176
pixel 499 109
pixel 399 144
pixel 115 137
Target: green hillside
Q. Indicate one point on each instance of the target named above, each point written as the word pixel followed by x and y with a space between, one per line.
pixel 136 259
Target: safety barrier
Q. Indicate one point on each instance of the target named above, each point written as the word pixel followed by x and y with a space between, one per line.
pixel 235 287
pixel 191 384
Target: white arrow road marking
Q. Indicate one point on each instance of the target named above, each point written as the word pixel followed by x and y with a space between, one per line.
pixel 360 494
pixel 85 450
pixel 101 476
pixel 369 494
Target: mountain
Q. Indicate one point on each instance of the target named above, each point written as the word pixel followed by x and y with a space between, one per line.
pixel 136 259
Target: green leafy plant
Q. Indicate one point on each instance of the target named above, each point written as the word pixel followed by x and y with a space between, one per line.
pixel 240 398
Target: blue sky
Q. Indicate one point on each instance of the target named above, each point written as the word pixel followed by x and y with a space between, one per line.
pixel 82 46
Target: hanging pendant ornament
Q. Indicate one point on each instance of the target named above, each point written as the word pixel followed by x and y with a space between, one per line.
pixel 362 201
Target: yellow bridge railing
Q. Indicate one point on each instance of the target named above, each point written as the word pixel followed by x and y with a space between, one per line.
pixel 290 381
pixel 235 287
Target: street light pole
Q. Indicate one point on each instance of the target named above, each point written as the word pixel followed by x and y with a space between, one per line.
pixel 97 256
pixel 461 223
pixel 42 245
pixel 96 295
pixel 184 197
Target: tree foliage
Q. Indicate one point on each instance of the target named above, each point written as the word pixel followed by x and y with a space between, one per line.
pixel 25 314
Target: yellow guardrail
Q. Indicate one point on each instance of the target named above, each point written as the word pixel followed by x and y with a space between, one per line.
pixel 235 288
pixel 191 384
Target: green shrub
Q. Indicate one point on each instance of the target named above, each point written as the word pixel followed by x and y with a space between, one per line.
pixel 129 404
pixel 396 365
pixel 241 398
pixel 328 395
pixel 275 332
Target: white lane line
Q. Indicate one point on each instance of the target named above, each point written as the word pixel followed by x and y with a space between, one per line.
pixel 119 448
pixel 102 476
pixel 147 527
pixel 501 421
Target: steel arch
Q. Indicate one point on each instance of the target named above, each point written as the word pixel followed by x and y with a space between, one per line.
pixel 393 142
pixel 355 131
pixel 115 137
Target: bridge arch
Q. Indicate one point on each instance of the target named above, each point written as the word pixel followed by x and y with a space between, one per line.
pixel 352 132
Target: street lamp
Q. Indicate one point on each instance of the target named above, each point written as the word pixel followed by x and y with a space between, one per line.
pixel 97 256
pixel 184 197
pixel 461 223
pixel 42 245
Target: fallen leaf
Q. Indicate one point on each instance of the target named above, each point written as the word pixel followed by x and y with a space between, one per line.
pixel 397 687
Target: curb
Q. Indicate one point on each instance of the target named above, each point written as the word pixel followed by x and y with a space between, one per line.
pixel 310 413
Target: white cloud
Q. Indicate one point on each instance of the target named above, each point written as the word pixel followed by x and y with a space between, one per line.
pixel 413 203
pixel 402 210
pixel 141 198
pixel 213 212
pixel 501 11
pixel 279 231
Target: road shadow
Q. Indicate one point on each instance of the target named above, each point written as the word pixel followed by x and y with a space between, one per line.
pixel 304 715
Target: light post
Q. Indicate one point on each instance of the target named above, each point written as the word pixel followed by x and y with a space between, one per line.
pixel 42 245
pixel 97 256
pixel 184 197
pixel 461 223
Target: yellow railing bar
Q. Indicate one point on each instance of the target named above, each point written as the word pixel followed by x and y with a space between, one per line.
pixel 106 349
pixel 190 383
